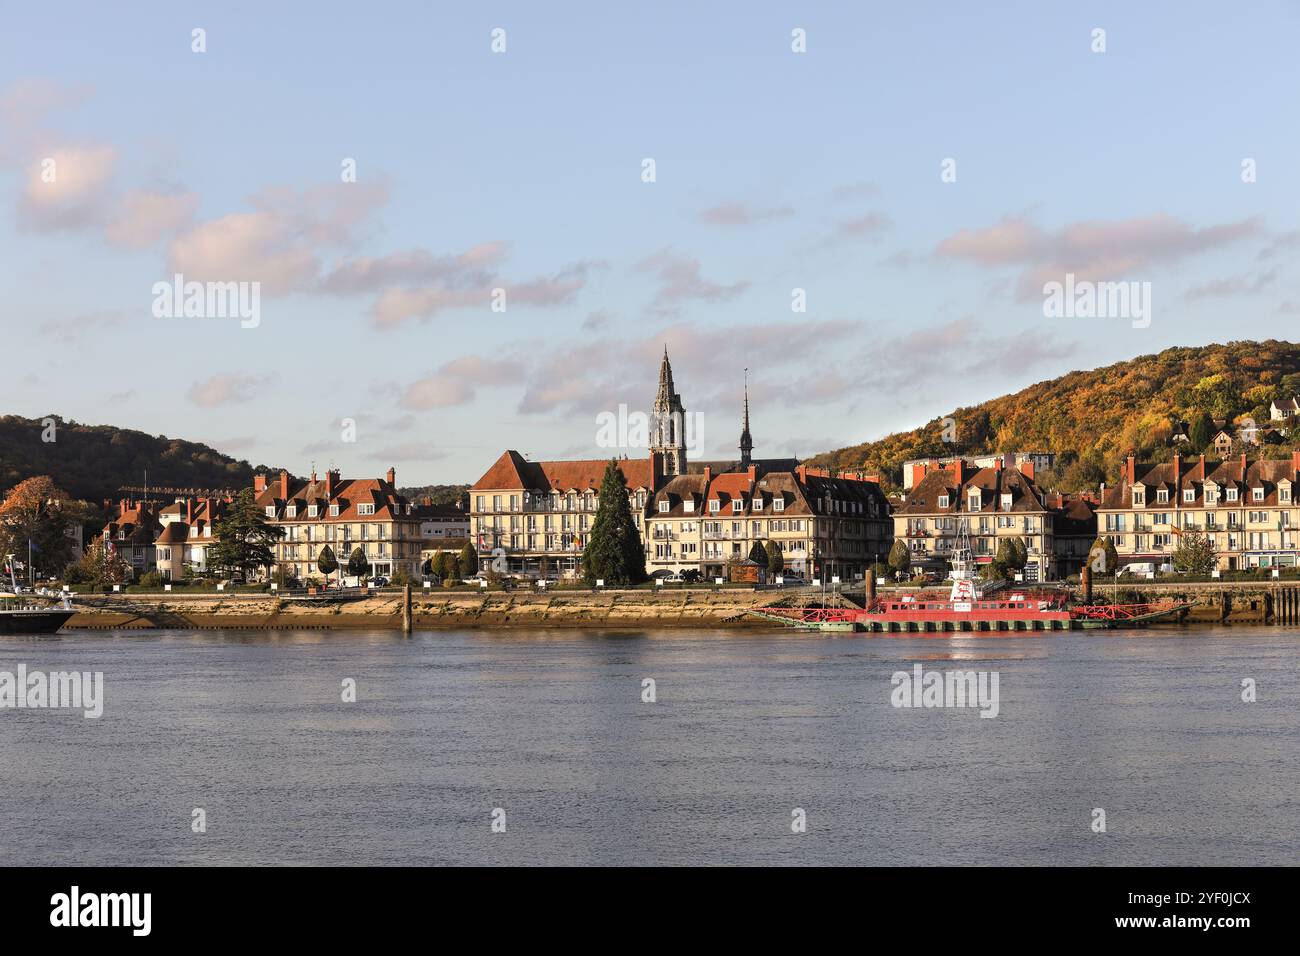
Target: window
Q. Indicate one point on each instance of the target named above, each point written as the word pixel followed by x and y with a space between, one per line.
pixel 312 511
pixel 758 502
pixel 291 511
pixel 688 505
pixel 663 507
pixel 270 511
pixel 1189 495
pixel 366 509
pixel 1162 496
pixel 1139 498
pixel 714 506
pixel 737 506
pixel 778 504
pixel 1257 494
pixel 943 501
pixel 334 511
pixel 1284 493
pixel 1232 494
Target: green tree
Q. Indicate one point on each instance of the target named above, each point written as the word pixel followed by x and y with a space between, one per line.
pixel 1195 553
pixel 358 566
pixel 327 562
pixel 775 558
pixel 1202 430
pixel 614 551
pixel 758 553
pixel 1021 554
pixel 1102 556
pixel 468 561
pixel 244 538
pixel 436 565
pixel 900 558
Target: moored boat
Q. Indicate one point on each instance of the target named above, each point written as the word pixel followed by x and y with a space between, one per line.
pixel 30 613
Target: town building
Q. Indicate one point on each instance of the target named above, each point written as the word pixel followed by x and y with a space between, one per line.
pixel 443 522
pixel 1246 508
pixel 1283 409
pixel 187 534
pixel 345 514
pixel 131 535
pixel 1074 530
pixel 993 503
pixel 915 468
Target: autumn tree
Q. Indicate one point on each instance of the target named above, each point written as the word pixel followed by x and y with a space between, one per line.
pixel 900 558
pixel 36 512
pixel 1195 553
pixel 775 558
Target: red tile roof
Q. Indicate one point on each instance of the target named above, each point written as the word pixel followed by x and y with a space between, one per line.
pixel 513 472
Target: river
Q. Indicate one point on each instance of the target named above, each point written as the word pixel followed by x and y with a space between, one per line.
pixel 550 728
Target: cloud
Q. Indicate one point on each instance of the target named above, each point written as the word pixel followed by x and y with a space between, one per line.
pixel 680 282
pixel 1237 285
pixel 475 267
pixel 79 325
pixel 1095 250
pixel 410 451
pixel 456 382
pixel 144 218
pixel 67 188
pixel 597 320
pixel 867 226
pixel 742 214
pixel 227 389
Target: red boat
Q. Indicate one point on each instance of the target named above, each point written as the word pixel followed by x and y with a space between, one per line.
pixel 969 607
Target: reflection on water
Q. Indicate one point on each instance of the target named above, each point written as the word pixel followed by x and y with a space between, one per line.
pixel 551 727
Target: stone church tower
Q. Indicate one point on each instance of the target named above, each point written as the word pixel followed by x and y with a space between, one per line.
pixel 668 440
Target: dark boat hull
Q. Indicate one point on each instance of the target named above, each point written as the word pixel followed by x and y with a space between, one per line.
pixel 33 622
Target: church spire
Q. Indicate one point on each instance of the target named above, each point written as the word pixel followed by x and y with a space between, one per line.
pixel 746 440
pixel 669 439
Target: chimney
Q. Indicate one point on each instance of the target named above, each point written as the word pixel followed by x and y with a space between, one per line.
pixel 708 473
pixel 284 485
pixel 1027 468
pixel 1243 466
pixel 802 471
pixel 259 483
pixel 392 477
pixel 331 476
pixel 1178 471
pixel 1131 470
pixel 1202 468
pixel 189 511
pixel 753 473
pixel 1295 461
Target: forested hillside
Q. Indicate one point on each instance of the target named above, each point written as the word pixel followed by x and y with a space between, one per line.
pixel 1091 419
pixel 92 461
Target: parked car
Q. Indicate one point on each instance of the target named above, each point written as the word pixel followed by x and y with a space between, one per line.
pixel 379 582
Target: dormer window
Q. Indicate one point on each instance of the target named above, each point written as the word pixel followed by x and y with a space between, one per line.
pixel 758 503
pixel 737 506
pixel 1162 496
pixel 291 511
pixel 778 504
pixel 663 507
pixel 1232 494
pixel 1006 502
pixel 334 511
pixel 366 509
pixel 270 511
pixel 943 501
pixel 688 505
pixel 714 506
pixel 1283 493
pixel 1189 495
pixel 1257 494
pixel 312 511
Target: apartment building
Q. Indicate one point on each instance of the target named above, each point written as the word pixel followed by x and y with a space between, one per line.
pixel 132 533
pixel 995 502
pixel 533 517
pixel 1246 508
pixel 187 534
pixel 1074 526
pixel 825 524
pixel 345 514
pixel 915 469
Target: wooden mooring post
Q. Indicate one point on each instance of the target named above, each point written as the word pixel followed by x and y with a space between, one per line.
pixel 406 609
pixel 1286 605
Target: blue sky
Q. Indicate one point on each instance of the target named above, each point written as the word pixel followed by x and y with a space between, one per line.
pixel 521 170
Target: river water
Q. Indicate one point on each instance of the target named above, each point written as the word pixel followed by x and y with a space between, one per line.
pixel 550 727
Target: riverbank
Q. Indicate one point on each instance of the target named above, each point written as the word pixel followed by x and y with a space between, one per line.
pixel 693 608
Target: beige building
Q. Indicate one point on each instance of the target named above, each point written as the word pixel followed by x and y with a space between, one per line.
pixel 186 536
pixel 995 503
pixel 345 514
pixel 533 517
pixel 831 525
pixel 1246 508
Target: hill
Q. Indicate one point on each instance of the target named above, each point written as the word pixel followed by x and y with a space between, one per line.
pixel 1090 420
pixel 93 461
